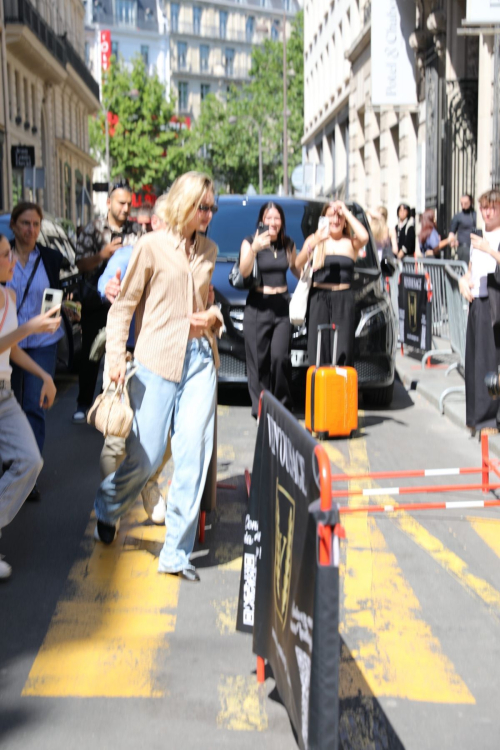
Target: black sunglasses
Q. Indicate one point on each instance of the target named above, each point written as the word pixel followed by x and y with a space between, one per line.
pixel 119 185
pixel 205 208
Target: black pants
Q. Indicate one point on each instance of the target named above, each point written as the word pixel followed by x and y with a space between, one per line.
pixel 331 307
pixel 266 328
pixel 482 348
pixel 93 319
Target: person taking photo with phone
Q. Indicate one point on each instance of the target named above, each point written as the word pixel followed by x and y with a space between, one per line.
pixel 96 245
pixel 482 345
pixel 36 270
pixel 334 249
pixel 266 322
pixel 20 459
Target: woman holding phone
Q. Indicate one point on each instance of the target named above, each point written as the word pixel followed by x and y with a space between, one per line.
pixel 36 270
pixel 19 454
pixel 334 250
pixel 266 323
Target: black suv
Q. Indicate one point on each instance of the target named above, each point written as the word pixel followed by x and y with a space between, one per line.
pixel 376 338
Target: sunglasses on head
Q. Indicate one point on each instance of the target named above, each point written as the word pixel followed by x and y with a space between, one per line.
pixel 205 208
pixel 119 185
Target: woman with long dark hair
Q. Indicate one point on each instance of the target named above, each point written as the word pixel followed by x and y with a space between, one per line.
pixel 405 232
pixel 266 325
pixel 334 250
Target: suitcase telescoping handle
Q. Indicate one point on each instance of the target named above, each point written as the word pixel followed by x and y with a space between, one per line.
pixel 329 327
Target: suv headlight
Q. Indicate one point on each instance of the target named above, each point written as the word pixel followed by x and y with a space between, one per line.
pixel 371 318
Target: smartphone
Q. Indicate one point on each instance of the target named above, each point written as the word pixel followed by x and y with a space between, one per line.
pixel 263 228
pixel 478 232
pixel 323 222
pixel 52 298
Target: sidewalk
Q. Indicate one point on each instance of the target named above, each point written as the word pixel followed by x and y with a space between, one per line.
pixel 432 381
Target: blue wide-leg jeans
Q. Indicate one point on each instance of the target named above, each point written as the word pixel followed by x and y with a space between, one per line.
pixel 187 409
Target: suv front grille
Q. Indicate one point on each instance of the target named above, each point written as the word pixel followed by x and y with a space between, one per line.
pixel 373 370
pixel 232 368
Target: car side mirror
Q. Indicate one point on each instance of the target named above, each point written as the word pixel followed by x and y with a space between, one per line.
pixel 388 267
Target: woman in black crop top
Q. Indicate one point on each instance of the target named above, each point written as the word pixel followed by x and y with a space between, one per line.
pixel 334 250
pixel 266 323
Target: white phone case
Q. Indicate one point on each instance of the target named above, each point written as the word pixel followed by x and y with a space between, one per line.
pixel 51 298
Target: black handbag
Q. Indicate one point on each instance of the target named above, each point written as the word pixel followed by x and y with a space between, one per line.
pixel 238 281
pixel 493 283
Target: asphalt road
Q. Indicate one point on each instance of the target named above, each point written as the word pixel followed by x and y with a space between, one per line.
pixel 97 649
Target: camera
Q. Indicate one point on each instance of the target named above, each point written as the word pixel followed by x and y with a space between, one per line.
pixel 492 383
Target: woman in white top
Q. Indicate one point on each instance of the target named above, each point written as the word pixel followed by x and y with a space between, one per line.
pixel 19 454
pixel 482 351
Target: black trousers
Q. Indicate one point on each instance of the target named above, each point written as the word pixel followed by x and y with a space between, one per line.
pixel 267 329
pixel 331 307
pixel 93 319
pixel 482 349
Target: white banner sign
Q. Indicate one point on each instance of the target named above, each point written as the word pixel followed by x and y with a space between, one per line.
pixel 483 11
pixel 392 59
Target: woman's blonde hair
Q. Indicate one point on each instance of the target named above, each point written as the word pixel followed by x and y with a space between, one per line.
pixel 379 229
pixel 183 199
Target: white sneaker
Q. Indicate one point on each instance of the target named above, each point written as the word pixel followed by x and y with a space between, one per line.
pixel 5 569
pixel 154 503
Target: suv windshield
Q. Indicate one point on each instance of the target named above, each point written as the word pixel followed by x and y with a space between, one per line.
pixel 236 219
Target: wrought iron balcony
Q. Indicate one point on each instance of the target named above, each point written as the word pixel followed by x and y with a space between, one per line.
pixel 22 12
pixel 221 32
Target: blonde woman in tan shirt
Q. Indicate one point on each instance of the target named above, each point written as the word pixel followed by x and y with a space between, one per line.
pixel 167 285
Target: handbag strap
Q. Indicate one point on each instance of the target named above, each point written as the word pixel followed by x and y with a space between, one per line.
pixel 6 307
pixel 32 276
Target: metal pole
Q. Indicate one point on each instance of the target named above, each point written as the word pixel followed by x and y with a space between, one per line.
pixel 5 86
pixel 106 131
pixel 261 180
pixel 285 128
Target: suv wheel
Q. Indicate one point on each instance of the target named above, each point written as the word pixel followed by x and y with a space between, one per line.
pixel 379 396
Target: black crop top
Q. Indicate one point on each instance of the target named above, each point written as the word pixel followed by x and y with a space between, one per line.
pixel 338 269
pixel 272 269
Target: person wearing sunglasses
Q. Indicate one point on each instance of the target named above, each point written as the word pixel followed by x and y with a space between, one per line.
pixel 96 244
pixel 173 389
pixel 19 452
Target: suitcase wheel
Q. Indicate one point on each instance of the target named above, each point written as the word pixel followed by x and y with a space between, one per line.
pixel 323 435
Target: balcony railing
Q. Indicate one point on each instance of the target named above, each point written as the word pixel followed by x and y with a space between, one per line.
pixel 215 32
pixel 134 21
pixel 22 12
pixel 217 71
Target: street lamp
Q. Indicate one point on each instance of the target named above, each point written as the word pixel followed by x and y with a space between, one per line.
pixel 232 121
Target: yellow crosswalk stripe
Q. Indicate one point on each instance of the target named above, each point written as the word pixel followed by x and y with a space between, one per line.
pixel 392 645
pixel 489 531
pixel 111 623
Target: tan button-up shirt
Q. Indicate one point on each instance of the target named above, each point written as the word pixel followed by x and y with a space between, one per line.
pixel 162 286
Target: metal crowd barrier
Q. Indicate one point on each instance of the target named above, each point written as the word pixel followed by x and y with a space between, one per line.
pixel 458 311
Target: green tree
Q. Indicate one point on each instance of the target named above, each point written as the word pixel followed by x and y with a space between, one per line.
pixel 140 133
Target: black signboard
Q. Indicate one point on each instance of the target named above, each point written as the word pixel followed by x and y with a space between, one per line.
pixel 415 311
pixel 287 599
pixel 22 157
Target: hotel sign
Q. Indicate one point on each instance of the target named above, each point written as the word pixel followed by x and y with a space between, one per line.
pixel 392 59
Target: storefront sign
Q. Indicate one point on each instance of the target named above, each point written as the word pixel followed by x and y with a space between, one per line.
pixel 392 59
pixel 483 11
pixel 22 157
pixel 105 49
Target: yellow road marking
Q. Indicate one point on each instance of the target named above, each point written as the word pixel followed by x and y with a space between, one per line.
pixel 226 615
pixel 108 628
pixel 243 704
pixel 489 531
pixel 393 647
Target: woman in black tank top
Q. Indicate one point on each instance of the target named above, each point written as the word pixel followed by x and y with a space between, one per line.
pixel 266 323
pixel 334 249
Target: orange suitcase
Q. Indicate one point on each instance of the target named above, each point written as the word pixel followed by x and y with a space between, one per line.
pixel 331 396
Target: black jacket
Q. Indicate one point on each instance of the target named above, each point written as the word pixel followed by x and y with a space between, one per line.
pixel 406 236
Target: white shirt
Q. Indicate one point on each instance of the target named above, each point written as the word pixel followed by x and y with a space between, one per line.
pixel 482 264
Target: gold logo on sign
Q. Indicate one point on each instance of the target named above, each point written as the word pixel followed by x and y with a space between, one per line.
pixel 285 524
pixel 412 311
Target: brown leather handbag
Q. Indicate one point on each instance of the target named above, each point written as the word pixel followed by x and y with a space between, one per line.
pixel 111 412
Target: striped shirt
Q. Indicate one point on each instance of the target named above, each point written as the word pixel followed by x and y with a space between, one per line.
pixel 33 303
pixel 161 285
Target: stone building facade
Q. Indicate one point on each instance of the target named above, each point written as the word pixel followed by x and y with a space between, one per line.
pixel 47 94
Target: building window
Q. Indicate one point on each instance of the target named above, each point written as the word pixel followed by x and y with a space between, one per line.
pixel 204 54
pixel 183 90
pixel 197 19
pixel 204 91
pixel 181 55
pixel 250 28
pixel 114 49
pixel 126 12
pixel 229 66
pixel 223 24
pixel 274 32
pixel 287 5
pixel 174 17
pixel 145 54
